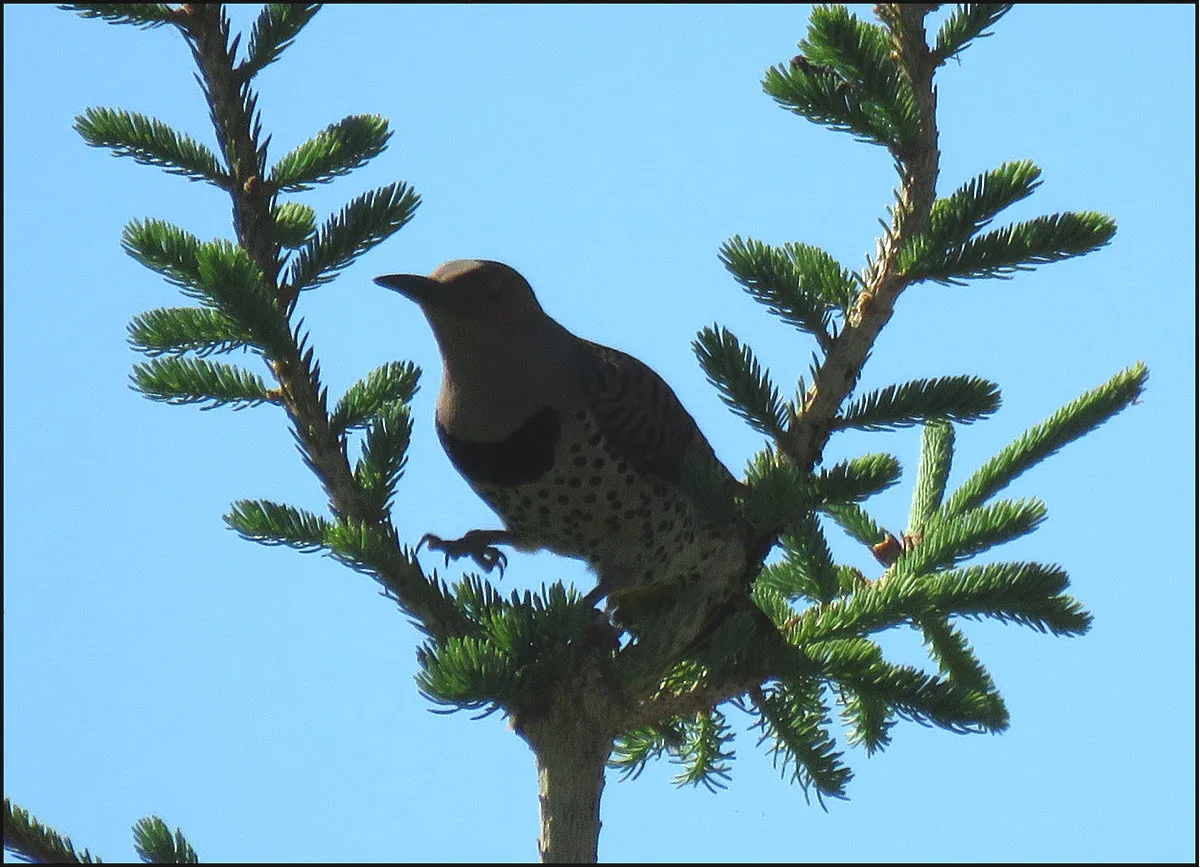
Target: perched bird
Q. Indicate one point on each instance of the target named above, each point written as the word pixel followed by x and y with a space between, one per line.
pixel 579 448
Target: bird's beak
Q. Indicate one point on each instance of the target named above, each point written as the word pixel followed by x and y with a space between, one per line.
pixel 423 290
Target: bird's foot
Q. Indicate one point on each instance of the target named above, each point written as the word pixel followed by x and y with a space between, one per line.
pixel 479 545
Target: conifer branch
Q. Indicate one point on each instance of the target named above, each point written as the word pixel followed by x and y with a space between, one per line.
pixel 166 249
pixel 467 672
pixel 950 648
pixel 704 751
pixel 632 750
pixel 967 22
pixel 808 562
pixel 972 206
pixel 376 551
pixel 966 534
pixel 277 26
pixel 856 479
pixel 384 457
pixel 179 330
pixel 937 452
pixel 246 307
pixel 1084 414
pixel 295 224
pixel 745 387
pixel 879 606
pixel 269 523
pixel 843 81
pixel 1027 593
pixel 393 382
pixel 228 280
pixel 799 283
pixel 914 695
pixel 961 399
pixel 784 580
pixel 857 668
pixel 774 598
pixel 238 128
pixel 883 281
pixel 198 381
pixel 156 845
pixel 337 150
pixel 144 15
pixel 822 96
pixel 795 720
pixel 366 221
pixel 510 651
pixel 847 79
pixel 1014 248
pixel 151 142
pixel 869 719
pixel 861 53
pixel 777 492
pixel 31 841
pixel 854 520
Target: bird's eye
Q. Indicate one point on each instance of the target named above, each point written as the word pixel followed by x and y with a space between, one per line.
pixel 493 287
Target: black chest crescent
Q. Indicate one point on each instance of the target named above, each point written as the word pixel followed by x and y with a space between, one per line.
pixel 522 457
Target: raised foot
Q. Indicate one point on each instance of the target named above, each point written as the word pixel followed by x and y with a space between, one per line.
pixel 479 545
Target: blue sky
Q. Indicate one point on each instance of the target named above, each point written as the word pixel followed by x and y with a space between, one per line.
pixel 263 700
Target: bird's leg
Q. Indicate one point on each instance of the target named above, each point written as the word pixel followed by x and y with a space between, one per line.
pixel 480 545
pixel 596 594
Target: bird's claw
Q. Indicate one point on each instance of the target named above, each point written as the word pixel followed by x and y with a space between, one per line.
pixel 475 544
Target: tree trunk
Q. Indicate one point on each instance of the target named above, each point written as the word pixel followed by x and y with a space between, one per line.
pixel 572 744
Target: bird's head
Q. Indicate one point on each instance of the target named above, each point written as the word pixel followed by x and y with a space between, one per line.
pixel 471 299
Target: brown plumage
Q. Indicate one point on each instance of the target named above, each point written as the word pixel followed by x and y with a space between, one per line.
pixel 579 448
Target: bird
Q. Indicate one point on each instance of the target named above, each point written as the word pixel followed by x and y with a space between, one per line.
pixel 579 448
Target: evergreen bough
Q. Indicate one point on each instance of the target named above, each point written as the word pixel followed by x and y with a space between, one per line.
pixel 583 696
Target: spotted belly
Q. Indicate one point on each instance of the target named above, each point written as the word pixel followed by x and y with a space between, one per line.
pixel 587 501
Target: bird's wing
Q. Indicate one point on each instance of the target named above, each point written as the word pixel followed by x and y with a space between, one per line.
pixel 645 422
